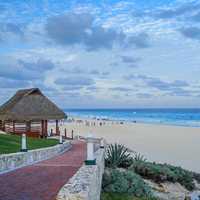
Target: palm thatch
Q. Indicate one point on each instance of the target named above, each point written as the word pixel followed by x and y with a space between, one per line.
pixel 28 105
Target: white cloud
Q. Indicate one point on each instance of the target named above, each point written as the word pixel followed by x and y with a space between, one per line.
pixel 148 39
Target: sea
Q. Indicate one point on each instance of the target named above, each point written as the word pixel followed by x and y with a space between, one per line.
pixel 169 116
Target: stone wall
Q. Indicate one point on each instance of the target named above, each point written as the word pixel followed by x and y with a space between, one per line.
pixel 13 161
pixel 86 183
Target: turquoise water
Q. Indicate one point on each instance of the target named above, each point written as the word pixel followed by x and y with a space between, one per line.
pixel 181 117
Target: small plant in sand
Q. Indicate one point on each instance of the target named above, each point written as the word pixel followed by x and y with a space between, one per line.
pixel 118 155
pixel 163 172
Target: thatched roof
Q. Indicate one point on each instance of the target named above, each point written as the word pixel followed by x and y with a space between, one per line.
pixel 30 104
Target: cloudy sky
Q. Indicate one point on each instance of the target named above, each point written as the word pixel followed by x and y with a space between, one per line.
pixel 105 54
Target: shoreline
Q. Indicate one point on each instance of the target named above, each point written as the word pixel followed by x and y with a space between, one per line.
pixel 134 121
pixel 176 145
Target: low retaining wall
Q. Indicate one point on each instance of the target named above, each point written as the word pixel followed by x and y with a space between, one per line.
pixel 13 161
pixel 86 183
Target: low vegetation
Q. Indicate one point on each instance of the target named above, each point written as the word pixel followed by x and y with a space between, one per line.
pixel 123 178
pixel 12 143
pixel 118 196
pixel 163 172
pixel 196 176
pixel 125 182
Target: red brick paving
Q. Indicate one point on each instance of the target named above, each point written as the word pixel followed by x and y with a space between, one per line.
pixel 43 180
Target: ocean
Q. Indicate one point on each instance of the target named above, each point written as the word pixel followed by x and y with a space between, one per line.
pixel 180 117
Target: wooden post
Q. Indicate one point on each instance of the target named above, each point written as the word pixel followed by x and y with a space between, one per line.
pixel 28 127
pixel 42 126
pixel 57 128
pixel 65 133
pixel 45 128
pixel 72 134
pixel 13 126
pixel 3 125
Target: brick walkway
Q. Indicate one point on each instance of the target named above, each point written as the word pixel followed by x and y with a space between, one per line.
pixel 43 180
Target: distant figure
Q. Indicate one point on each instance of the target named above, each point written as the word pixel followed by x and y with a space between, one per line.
pixel 87 123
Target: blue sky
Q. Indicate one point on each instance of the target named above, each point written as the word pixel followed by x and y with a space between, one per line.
pixel 102 54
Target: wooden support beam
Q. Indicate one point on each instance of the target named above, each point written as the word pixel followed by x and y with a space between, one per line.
pixel 57 128
pixel 28 127
pixel 13 126
pixel 45 128
pixel 3 125
pixel 72 134
pixel 42 127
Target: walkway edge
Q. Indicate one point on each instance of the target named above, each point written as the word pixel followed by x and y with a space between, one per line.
pixel 13 161
pixel 86 183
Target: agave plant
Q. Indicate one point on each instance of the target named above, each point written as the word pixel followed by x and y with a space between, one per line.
pixel 118 155
pixel 139 157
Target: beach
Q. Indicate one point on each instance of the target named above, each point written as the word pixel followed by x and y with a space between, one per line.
pixel 170 144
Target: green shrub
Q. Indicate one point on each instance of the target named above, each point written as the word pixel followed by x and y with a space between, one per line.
pixel 117 196
pixel 163 172
pixel 196 176
pixel 184 177
pixel 153 171
pixel 125 182
pixel 117 156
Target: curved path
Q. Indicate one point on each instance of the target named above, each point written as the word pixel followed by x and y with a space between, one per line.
pixel 43 180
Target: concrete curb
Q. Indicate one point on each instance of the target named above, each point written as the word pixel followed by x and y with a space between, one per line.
pixel 10 162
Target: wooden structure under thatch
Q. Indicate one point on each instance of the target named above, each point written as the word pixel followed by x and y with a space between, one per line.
pixel 28 111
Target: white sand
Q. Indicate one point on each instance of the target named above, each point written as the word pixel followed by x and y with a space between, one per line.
pixel 162 143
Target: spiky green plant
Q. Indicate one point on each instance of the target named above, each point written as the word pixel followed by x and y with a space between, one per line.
pixel 139 157
pixel 117 155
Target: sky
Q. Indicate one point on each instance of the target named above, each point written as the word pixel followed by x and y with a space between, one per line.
pixel 102 54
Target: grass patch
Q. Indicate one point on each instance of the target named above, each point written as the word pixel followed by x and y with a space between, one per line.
pixel 118 196
pixel 12 143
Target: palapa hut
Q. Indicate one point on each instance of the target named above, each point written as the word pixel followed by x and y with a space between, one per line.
pixel 28 111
